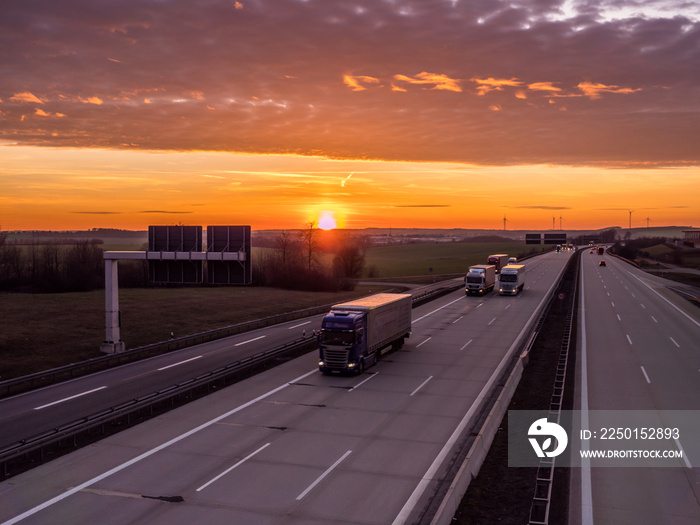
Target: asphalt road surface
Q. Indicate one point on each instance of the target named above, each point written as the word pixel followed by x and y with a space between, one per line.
pixel 290 445
pixel 639 349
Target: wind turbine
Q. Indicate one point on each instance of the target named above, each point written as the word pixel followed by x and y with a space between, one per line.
pixel 630 211
pixel 560 219
pixel 504 221
pixel 648 221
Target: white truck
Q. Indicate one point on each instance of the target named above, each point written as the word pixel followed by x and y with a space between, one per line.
pixel 480 279
pixel 512 279
pixel 354 333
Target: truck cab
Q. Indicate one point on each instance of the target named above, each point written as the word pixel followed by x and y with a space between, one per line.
pixel 343 342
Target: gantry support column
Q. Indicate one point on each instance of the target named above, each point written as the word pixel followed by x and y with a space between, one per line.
pixel 113 342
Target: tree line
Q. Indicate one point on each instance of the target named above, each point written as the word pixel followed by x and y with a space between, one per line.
pixel 298 260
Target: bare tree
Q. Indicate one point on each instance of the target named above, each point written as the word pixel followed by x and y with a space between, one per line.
pixel 310 241
pixel 349 262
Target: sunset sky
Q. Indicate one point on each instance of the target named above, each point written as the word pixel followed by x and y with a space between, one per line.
pixel 381 113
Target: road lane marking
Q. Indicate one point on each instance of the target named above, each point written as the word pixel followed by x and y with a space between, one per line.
pixel 613 304
pixel 322 476
pixel 233 467
pixel 654 318
pixel 685 457
pixel 619 318
pixel 642 305
pixel 298 325
pixel 437 310
pixel 459 319
pixel 358 385
pixel 492 320
pixel 149 453
pixel 249 341
pixel 645 374
pixel 69 398
pixel 180 363
pixel 674 342
pixel 507 306
pixel 628 338
pixel 421 385
pixel 669 302
pixel 428 339
pixel 466 344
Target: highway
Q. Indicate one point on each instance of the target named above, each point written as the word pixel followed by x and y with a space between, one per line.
pixel 637 350
pixel 290 445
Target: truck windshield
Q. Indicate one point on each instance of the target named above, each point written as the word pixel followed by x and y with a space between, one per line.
pixel 474 279
pixel 509 277
pixel 331 337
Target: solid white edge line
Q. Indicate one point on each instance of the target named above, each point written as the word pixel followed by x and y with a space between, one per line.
pixel 320 478
pixel 685 457
pixel 233 467
pixel 180 363
pixel 149 453
pixel 669 302
pixel 586 485
pixel 69 398
pixel 427 478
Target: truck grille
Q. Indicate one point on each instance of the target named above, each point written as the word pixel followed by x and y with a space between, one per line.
pixel 336 357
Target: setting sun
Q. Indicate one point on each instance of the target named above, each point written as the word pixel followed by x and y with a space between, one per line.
pixel 326 221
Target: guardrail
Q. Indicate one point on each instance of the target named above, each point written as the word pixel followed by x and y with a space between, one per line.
pixel 190 389
pixel 477 443
pixel 127 410
pixel 64 373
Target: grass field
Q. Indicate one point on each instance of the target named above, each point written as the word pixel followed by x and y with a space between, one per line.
pixel 443 258
pixel 43 331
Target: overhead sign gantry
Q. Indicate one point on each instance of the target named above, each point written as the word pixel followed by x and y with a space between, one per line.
pixel 175 256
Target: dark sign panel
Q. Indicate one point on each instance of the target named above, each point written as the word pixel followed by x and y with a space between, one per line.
pixel 533 238
pixel 229 239
pixel 555 238
pixel 175 239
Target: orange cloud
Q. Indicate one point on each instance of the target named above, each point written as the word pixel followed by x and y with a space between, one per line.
pixel 494 84
pixel 594 90
pixel 92 100
pixel 543 86
pixel 42 113
pixel 355 81
pixel 442 82
pixel 25 97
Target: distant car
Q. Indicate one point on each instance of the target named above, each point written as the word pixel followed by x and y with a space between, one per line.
pixel 591 251
pixel 602 263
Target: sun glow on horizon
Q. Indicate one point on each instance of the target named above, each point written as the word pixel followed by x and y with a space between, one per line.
pixel 326 221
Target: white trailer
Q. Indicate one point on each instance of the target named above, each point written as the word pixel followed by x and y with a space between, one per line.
pixel 354 333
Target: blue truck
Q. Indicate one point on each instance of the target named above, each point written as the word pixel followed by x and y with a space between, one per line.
pixel 353 334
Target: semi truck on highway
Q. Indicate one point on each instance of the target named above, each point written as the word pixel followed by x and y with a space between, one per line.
pixel 354 333
pixel 481 279
pixel 499 261
pixel 512 279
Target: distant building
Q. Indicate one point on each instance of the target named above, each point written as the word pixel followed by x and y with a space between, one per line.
pixel 692 238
